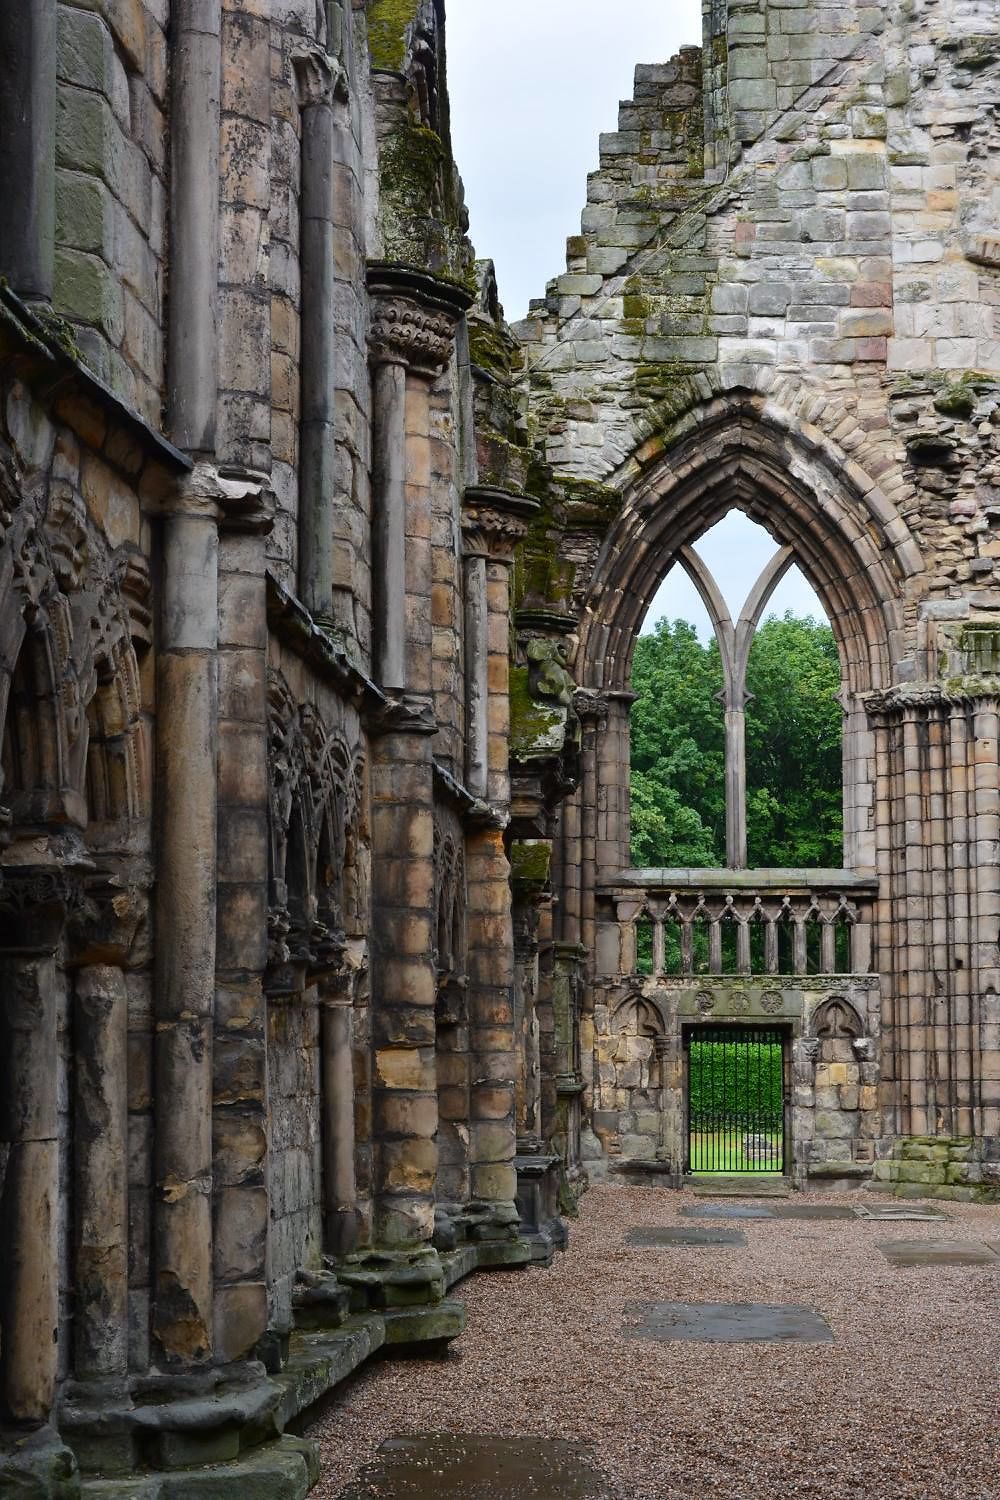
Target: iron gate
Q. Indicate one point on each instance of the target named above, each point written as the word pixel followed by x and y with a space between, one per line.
pixel 735 1099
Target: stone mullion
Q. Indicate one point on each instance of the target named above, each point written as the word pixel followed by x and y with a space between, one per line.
pixel 100 1144
pixel 239 1130
pixel 28 147
pixel 29 1204
pixel 957 877
pixel 986 959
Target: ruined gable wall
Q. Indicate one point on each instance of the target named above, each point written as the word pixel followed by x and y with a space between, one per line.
pixel 798 275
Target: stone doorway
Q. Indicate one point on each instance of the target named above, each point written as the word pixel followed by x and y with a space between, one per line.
pixel 736 1098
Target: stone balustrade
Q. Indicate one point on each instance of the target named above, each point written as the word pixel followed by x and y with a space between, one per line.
pixel 683 923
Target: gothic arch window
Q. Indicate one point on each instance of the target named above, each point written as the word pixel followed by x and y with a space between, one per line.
pixel 736 635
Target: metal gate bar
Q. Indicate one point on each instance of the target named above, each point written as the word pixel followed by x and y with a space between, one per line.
pixel 736 1100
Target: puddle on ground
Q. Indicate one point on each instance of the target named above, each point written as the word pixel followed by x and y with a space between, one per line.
pixel 725 1323
pixel 938 1253
pixel 679 1234
pixel 460 1467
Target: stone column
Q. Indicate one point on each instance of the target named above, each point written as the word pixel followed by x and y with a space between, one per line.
pixel 187 738
pixel 100 1139
pixel 413 323
pixel 187 711
pixel 984 847
pixel 27 147
pixel 320 80
pixel 192 349
pixel 33 905
pixel 477 691
pixel 340 1216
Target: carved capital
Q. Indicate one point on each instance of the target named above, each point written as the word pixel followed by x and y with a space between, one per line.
pixel 495 521
pixel 404 333
pixel 414 318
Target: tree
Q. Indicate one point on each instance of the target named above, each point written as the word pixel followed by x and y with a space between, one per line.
pixel 794 730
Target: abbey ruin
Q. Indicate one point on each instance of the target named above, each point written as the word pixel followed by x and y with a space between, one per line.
pixel 319 586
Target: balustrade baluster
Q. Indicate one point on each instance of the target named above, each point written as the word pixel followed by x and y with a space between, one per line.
pixel 828 947
pixel 659 953
pixel 743 947
pixel 771 947
pixel 801 960
pixel 715 946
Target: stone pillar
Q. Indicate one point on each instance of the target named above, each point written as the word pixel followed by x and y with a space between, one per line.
pixel 239 1048
pixel 192 349
pixel 340 1216
pixel 187 737
pixel 477 692
pixel 33 907
pixel 320 78
pixel 413 323
pixel 100 1138
pixel 27 147
pixel 984 851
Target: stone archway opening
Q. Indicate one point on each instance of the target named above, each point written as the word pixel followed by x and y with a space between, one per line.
pixel 732 941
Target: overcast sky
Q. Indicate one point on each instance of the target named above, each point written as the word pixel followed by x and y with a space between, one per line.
pixel 532 84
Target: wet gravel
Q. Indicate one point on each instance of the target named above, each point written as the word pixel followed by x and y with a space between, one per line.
pixel 904 1405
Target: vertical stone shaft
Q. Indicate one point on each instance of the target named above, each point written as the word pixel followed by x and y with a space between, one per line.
pixel 317 446
pixel 187 708
pixel 404 1088
pixel 27 147
pixel 29 1205
pixel 100 1129
pixel 477 685
pixel 736 785
pixel 986 957
pixel 339 1184
pixel 389 525
pixel 492 1127
pixel 192 358
pixel 187 732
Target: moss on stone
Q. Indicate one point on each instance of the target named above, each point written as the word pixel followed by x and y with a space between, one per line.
pixel 389 22
pixel 491 348
pixel 531 861
pixel 532 724
pixel 956 401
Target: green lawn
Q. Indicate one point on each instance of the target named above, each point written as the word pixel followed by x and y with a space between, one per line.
pixel 722 1153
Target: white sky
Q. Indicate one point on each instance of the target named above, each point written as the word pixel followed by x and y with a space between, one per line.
pixel 532 85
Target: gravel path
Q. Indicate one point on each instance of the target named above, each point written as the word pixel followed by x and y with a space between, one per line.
pixel 905 1405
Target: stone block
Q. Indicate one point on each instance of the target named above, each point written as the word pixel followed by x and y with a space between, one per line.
pixel 88 291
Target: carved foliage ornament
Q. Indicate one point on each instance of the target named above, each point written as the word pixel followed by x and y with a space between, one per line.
pixel 407 334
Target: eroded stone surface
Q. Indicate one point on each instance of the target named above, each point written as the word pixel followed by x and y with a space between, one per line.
pixel 743 1210
pixel 466 1467
pixel 725 1323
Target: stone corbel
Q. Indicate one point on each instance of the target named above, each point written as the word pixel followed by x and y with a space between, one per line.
pixel 321 78
pixel 246 501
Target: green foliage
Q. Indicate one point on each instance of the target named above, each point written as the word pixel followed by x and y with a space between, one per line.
pixel 794 746
pixel 678 750
pixel 736 1085
pixel 794 727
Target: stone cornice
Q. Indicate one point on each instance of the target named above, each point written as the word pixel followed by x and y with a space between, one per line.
pixel 910 698
pixel 43 354
pixel 295 627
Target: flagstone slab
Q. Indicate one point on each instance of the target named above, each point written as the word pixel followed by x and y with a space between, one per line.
pixel 464 1467
pixel 938 1253
pixel 725 1323
pixel 679 1234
